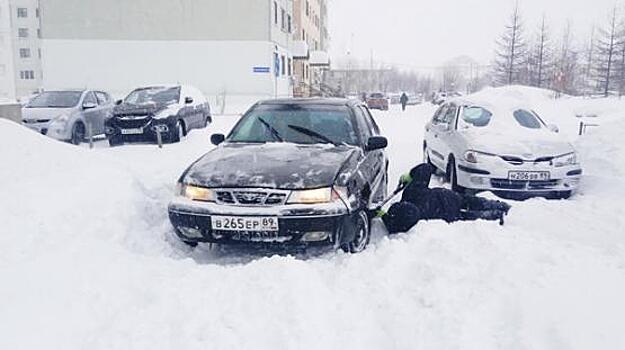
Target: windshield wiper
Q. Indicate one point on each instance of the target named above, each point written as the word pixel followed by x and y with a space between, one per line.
pixel 271 129
pixel 314 134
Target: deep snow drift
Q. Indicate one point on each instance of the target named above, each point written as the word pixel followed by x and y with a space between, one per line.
pixel 88 260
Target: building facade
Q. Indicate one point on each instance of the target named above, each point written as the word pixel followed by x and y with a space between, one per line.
pixel 20 51
pixel 310 43
pixel 233 47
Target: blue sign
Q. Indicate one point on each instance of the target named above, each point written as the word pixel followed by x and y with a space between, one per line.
pixel 262 70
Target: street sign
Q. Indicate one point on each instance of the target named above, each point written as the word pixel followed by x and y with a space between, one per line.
pixel 262 70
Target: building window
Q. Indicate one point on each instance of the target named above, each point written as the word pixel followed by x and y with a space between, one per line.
pixel 39 52
pixel 22 12
pixel 283 18
pixel 307 8
pixel 275 13
pixel 283 65
pixel 303 34
pixel 289 25
pixel 290 67
pixel 37 12
pixel 25 53
pixel 22 33
pixel 27 75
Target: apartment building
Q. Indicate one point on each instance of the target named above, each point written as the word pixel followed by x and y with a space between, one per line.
pixel 310 45
pixel 20 54
pixel 233 47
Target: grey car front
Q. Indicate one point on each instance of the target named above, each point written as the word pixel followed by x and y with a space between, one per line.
pixel 69 115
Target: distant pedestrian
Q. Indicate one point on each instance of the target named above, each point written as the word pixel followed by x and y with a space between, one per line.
pixel 404 101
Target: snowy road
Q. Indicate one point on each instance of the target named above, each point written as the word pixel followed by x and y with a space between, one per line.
pixel 88 260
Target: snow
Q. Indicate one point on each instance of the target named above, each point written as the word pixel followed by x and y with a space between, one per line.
pixel 88 259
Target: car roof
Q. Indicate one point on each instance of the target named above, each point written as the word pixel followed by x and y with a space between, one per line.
pixel 316 101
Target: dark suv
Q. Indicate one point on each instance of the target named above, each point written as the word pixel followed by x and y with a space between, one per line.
pixel 172 111
pixel 293 171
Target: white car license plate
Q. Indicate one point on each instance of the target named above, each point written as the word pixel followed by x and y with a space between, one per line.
pixel 529 175
pixel 245 223
pixel 132 131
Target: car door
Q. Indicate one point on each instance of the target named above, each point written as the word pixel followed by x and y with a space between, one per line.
pixel 371 166
pixel 190 110
pixel 379 160
pixel 91 114
pixel 448 132
pixel 433 132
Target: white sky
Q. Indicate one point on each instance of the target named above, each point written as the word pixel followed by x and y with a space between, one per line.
pixel 424 33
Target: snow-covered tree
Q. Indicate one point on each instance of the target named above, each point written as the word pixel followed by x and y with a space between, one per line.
pixel 606 52
pixel 540 58
pixel 510 66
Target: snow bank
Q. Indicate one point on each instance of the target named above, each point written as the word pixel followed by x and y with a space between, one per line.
pixel 88 260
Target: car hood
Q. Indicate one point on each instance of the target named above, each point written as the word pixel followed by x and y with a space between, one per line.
pixel 527 144
pixel 153 108
pixel 272 165
pixel 45 113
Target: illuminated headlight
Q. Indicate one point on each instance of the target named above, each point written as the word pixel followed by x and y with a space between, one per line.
pixel 320 195
pixel 565 160
pixel 196 193
pixel 476 157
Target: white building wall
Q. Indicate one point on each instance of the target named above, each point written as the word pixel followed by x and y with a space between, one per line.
pixel 7 80
pixel 26 87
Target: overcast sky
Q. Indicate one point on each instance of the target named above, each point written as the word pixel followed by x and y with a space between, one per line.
pixel 423 33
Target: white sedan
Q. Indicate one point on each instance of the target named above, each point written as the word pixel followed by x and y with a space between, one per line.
pixel 488 147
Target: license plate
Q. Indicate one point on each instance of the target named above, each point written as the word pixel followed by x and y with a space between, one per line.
pixel 529 176
pixel 245 224
pixel 132 131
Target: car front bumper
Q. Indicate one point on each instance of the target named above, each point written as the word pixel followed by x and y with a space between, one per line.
pixel 148 127
pixel 319 224
pixel 496 177
pixel 56 130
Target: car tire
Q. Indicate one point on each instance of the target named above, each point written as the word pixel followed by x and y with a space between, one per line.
pixel 363 234
pixel 190 244
pixel 563 194
pixel 78 133
pixel 177 133
pixel 452 176
pixel 115 141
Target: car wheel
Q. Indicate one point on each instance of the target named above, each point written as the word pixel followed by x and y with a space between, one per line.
pixel 563 194
pixel 452 176
pixel 78 133
pixel 115 141
pixel 177 133
pixel 363 234
pixel 190 244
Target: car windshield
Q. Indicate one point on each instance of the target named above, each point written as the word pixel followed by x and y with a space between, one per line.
pixel 55 99
pixel 154 95
pixel 377 96
pixel 296 124
pixel 527 119
pixel 476 116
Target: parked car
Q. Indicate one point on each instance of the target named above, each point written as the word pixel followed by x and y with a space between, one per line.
pixel 172 111
pixel 378 101
pixel 510 149
pixel 442 96
pixel 291 172
pixel 68 115
pixel 414 100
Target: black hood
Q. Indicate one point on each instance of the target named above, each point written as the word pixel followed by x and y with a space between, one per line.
pixel 273 165
pixel 421 175
pixel 146 109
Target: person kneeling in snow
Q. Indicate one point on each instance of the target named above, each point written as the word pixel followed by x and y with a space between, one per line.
pixel 419 202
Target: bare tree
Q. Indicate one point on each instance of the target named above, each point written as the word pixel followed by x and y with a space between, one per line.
pixel 540 58
pixel 567 71
pixel 606 52
pixel 510 63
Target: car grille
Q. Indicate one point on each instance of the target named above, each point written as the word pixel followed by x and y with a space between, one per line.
pixel 519 161
pixel 505 184
pixel 35 121
pixel 132 122
pixel 251 197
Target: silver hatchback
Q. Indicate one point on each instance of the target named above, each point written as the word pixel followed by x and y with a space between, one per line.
pixel 68 115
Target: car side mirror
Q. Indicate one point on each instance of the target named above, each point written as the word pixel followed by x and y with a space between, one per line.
pixel 188 100
pixel 217 139
pixel 376 142
pixel 553 128
pixel 89 105
pixel 118 102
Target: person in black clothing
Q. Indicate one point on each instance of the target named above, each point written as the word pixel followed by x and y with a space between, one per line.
pixel 404 101
pixel 419 202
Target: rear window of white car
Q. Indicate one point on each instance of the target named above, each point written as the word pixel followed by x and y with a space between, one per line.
pixel 476 116
pixel 527 119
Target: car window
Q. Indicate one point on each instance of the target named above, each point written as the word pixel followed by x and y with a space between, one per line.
pixel 151 95
pixel 369 118
pixel 476 116
pixel 527 119
pixel 363 127
pixel 450 114
pixel 55 99
pixel 90 99
pixel 439 115
pixel 272 123
pixel 103 98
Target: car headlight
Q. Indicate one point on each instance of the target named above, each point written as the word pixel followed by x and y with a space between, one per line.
pixel 62 119
pixel 476 157
pixel 196 193
pixel 565 160
pixel 317 196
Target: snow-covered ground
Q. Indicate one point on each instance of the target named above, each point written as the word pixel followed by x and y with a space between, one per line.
pixel 88 259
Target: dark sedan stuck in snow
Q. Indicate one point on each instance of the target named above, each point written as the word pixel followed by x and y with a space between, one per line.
pixel 171 111
pixel 291 172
